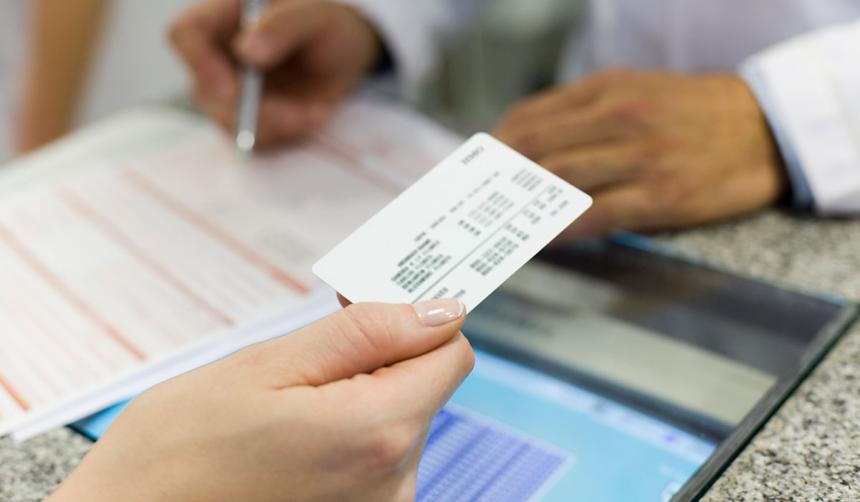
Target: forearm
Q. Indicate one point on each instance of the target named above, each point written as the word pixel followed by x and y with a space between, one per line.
pixel 63 34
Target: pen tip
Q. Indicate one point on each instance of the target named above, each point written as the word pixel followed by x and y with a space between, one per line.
pixel 245 142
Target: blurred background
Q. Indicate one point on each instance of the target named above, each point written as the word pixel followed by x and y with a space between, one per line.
pixel 66 63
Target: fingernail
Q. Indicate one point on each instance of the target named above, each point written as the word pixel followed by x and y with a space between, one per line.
pixel 438 312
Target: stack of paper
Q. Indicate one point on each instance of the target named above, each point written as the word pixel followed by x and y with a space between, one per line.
pixel 146 246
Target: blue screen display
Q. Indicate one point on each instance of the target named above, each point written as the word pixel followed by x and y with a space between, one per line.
pixel 580 445
pixel 511 434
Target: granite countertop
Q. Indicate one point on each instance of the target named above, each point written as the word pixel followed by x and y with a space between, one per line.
pixel 809 451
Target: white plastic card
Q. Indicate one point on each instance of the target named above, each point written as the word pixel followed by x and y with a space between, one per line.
pixel 458 232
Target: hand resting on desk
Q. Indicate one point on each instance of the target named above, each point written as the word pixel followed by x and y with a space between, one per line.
pixel 655 150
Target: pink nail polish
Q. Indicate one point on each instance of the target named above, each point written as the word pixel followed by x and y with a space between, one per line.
pixel 439 312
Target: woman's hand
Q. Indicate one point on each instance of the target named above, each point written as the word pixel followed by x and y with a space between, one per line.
pixel 336 411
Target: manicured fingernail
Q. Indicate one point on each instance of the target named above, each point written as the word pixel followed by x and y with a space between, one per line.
pixel 439 312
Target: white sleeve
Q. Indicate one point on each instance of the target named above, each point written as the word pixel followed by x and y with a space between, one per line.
pixel 414 30
pixel 809 88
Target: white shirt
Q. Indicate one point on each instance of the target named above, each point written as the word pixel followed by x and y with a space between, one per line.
pixel 801 57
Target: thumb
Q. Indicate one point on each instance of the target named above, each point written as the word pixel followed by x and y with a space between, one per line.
pixel 280 31
pixel 359 339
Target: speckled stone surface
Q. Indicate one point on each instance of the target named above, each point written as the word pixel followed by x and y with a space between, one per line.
pixel 809 451
pixel 29 471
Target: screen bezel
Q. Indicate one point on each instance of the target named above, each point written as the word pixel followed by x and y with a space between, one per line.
pixel 730 441
pixel 730 448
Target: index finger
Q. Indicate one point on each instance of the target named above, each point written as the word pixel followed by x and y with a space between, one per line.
pixel 201 37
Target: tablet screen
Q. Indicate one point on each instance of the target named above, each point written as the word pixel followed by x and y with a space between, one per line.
pixel 512 433
pixel 622 374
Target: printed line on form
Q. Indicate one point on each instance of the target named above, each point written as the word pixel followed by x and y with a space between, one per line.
pixel 212 230
pixel 49 277
pixel 88 213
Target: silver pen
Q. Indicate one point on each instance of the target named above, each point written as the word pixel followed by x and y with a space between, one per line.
pixel 252 89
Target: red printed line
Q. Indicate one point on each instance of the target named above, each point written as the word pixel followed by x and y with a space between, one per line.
pixel 22 403
pixel 106 226
pixel 205 225
pixel 45 273
pixel 344 153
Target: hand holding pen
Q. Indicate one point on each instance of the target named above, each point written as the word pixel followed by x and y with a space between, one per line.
pixel 302 59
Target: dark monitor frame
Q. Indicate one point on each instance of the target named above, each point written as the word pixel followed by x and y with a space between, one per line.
pixel 730 440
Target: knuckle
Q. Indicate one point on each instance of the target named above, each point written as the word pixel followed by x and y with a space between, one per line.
pixel 673 190
pixel 646 158
pixel 365 327
pixel 387 449
pixel 630 112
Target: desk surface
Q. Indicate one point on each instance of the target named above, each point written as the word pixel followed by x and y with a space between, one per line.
pixel 809 450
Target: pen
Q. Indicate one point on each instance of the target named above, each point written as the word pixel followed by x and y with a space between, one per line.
pixel 252 88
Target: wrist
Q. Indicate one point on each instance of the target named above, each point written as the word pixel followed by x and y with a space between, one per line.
pixel 796 189
pixel 77 487
pixel 94 482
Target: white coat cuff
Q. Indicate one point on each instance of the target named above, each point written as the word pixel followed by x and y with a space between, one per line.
pixel 810 88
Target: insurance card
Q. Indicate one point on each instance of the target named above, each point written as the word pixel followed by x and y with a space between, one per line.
pixel 458 232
